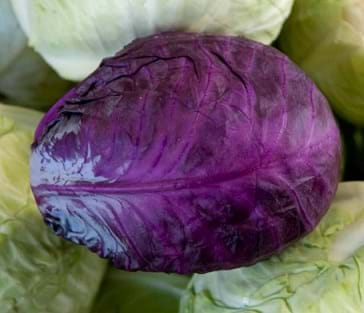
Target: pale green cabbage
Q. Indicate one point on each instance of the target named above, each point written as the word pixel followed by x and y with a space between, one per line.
pixel 39 272
pixel 322 273
pixel 73 36
pixel 326 38
pixel 24 77
pixel 126 292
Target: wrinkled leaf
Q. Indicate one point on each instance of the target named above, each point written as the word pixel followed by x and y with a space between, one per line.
pixel 187 153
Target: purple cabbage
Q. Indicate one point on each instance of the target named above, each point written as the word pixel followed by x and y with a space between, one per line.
pixel 187 153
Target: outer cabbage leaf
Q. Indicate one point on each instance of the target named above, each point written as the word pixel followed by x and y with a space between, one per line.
pixel 40 273
pixel 124 292
pixel 326 38
pixel 73 36
pixel 322 273
pixel 24 77
pixel 187 153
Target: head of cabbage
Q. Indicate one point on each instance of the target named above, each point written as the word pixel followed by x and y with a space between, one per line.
pixel 73 36
pixel 326 38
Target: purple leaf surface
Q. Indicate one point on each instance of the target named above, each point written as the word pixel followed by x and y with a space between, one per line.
pixel 187 153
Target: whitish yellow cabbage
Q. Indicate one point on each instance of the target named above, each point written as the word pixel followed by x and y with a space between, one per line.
pixel 74 35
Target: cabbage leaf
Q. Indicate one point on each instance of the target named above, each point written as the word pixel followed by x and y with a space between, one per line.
pixel 326 38
pixel 73 36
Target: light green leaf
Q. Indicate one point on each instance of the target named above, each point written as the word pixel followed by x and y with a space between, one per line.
pixel 326 38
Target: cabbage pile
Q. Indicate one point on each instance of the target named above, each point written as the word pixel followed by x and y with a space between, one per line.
pixel 181 156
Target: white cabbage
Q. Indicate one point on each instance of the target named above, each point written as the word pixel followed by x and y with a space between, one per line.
pixel 73 36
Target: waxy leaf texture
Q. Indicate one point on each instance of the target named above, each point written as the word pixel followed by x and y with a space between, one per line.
pixel 187 153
